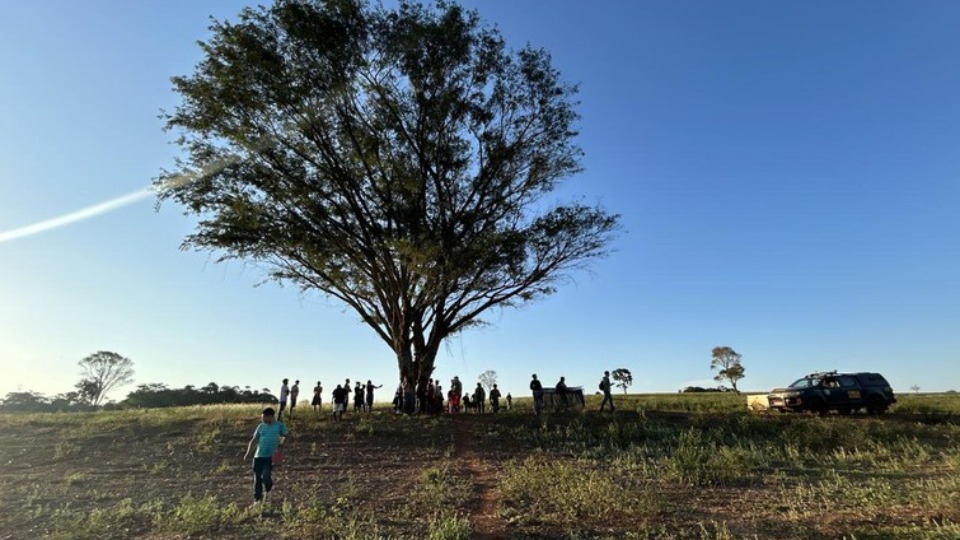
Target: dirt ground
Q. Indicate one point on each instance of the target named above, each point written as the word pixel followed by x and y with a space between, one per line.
pixel 180 473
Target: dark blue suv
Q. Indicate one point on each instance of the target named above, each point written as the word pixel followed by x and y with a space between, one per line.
pixel 831 391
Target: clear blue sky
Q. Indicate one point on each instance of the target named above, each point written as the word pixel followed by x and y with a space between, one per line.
pixel 787 174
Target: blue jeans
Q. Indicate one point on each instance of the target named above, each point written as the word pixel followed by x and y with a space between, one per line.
pixel 262 467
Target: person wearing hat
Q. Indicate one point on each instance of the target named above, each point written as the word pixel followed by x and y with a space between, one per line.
pixel 537 390
pixel 284 394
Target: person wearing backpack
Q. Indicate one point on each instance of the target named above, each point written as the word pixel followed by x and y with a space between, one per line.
pixel 605 387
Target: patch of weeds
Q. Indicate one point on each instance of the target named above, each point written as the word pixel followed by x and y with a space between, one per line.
pixel 75 478
pixel 194 516
pixel 698 460
pixel 930 531
pixel 311 518
pixel 65 449
pixel 158 469
pixel 715 531
pixel 226 467
pixel 567 493
pixel 110 522
pixel 364 426
pixel 449 526
pixel 435 487
pixel 206 441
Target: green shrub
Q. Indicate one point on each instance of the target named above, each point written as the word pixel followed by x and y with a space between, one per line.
pixel 449 526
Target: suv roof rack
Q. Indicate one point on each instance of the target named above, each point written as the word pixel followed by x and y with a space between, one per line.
pixel 822 373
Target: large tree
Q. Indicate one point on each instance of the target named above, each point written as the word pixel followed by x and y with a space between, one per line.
pixel 400 161
pixel 102 371
pixel 623 377
pixel 488 378
pixel 729 365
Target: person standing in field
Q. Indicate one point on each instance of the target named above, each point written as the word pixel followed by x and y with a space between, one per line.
pixel 509 401
pixel 346 395
pixel 495 399
pixel 269 437
pixel 480 398
pixel 358 397
pixel 370 388
pixel 607 396
pixel 339 402
pixel 561 390
pixel 317 398
pixel 294 395
pixel 284 394
pixel 537 390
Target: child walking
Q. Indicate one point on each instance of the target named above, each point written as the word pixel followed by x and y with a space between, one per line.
pixel 269 437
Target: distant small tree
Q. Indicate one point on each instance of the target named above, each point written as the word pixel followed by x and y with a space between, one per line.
pixel 729 364
pixel 488 378
pixel 623 377
pixel 102 371
pixel 915 388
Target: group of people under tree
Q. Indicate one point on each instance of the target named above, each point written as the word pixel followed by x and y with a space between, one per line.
pixel 271 432
pixel 429 398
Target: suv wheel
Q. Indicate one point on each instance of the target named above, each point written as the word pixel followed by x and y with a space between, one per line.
pixel 876 405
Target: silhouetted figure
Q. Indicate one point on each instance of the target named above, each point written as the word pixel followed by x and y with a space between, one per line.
pixel 346 390
pixel 358 398
pixel 317 398
pixel 339 402
pixel 370 388
pixel 509 401
pixel 537 390
pixel 607 396
pixel 284 395
pixel 294 395
pixel 561 391
pixel 479 398
pixel 495 399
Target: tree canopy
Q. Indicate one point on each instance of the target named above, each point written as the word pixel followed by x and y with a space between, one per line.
pixel 398 160
pixel 729 364
pixel 623 378
pixel 102 371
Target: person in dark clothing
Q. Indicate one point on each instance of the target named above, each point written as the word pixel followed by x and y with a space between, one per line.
pixel 346 395
pixel 479 398
pixel 339 402
pixel 509 401
pixel 607 396
pixel 370 388
pixel 358 398
pixel 495 399
pixel 317 398
pixel 561 391
pixel 537 390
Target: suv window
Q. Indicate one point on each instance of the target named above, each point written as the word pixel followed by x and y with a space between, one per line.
pixel 804 383
pixel 847 382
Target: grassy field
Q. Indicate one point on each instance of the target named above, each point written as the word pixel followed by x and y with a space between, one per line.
pixel 665 466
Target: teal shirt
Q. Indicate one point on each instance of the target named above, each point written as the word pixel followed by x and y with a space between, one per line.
pixel 268 438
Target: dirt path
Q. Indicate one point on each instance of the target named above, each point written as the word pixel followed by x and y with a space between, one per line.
pixel 486 524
